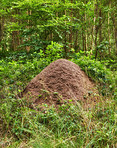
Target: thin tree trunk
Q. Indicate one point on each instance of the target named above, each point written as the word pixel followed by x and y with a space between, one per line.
pixel 96 28
pixel 18 38
pixel 100 26
pixel 85 38
pixel 65 40
pixel 0 31
pixel 93 37
pixel 109 29
pixel 115 26
pixel 15 35
pixel 115 32
pixel 28 13
pixel 100 29
pixel 76 41
pixel 70 35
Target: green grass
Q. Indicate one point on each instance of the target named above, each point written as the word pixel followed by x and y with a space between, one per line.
pixel 69 126
pixel 66 127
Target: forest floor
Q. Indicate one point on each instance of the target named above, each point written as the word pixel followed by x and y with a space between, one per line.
pixel 57 106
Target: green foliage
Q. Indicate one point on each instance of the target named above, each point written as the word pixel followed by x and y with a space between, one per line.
pixel 69 125
pixel 54 51
pixel 38 23
pixel 99 73
pixel 15 67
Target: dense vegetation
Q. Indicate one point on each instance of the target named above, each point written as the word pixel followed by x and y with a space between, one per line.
pixel 34 33
pixel 83 25
pixel 70 126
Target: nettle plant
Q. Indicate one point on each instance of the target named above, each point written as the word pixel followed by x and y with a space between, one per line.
pixel 54 51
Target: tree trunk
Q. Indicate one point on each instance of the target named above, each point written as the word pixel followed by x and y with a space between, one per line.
pixel 100 26
pixel 65 40
pixel 100 30
pixel 93 36
pixel 85 38
pixel 70 35
pixel 2 19
pixel 84 42
pixel 115 32
pixel 0 31
pixel 96 28
pixel 76 41
pixel 109 29
pixel 28 26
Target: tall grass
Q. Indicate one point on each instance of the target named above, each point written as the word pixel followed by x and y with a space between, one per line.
pixel 67 126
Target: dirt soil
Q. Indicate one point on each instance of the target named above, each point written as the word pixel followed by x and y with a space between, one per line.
pixel 59 82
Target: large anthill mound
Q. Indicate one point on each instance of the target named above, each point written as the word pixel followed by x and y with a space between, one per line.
pixel 61 81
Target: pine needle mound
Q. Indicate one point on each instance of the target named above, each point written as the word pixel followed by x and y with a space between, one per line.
pixel 61 81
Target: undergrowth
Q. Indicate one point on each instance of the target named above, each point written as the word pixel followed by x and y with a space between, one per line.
pixel 65 127
pixel 69 126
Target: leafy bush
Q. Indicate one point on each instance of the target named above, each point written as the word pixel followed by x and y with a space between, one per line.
pixel 54 51
pixel 99 73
